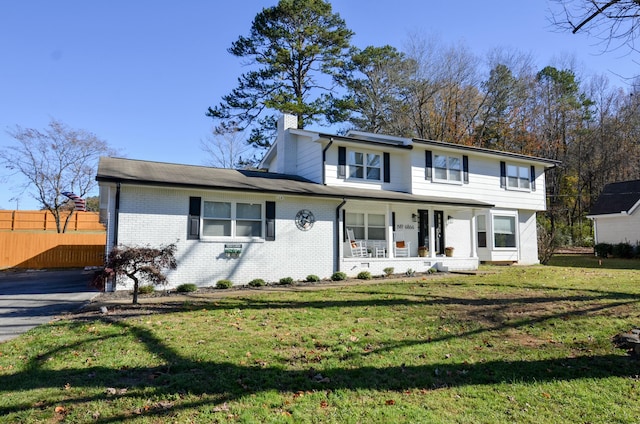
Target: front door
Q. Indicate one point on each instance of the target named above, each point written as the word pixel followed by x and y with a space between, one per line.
pixel 423 228
pixel 438 217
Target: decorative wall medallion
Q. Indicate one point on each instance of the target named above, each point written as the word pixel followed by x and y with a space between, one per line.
pixel 305 219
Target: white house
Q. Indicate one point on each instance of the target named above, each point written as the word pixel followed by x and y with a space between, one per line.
pixel 616 213
pixel 325 203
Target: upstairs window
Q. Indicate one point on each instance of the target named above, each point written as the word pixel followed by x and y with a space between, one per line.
pixel 447 168
pixel 364 166
pixel 518 177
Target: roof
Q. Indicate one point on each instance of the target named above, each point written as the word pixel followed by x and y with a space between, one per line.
pixel 130 171
pixel 617 198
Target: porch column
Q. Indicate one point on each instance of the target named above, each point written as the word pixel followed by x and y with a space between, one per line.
pixel 474 235
pixel 390 231
pixel 432 234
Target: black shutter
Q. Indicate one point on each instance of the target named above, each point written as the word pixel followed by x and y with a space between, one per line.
pixel 342 162
pixel 387 167
pixel 344 225
pixel 393 220
pixel 270 221
pixel 465 169
pixel 193 230
pixel 532 176
pixel 503 174
pixel 428 159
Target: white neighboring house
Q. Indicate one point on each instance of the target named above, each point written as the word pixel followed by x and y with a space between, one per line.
pixel 291 219
pixel 616 213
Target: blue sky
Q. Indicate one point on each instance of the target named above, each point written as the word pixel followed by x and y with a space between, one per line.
pixel 141 74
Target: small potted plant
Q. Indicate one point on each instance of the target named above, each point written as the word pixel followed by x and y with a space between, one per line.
pixel 423 251
pixel 448 251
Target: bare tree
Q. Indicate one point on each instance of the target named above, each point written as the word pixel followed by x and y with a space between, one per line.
pixel 53 161
pixel 612 21
pixel 227 149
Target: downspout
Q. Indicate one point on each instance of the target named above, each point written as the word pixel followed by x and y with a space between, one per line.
pixel 337 232
pixel 116 216
pixel 324 161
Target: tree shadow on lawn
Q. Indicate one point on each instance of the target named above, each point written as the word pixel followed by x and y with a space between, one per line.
pixel 214 383
pixel 224 381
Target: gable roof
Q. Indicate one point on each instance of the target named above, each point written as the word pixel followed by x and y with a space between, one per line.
pixel 617 198
pixel 130 171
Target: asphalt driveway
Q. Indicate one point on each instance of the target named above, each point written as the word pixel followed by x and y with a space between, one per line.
pixel 29 299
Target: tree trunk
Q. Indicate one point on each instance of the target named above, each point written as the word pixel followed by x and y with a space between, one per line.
pixel 135 289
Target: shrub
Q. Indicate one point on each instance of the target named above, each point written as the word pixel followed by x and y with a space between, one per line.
pixel 285 281
pixel 603 249
pixel 388 270
pixel 257 282
pixel 623 250
pixel 312 278
pixel 410 273
pixel 146 289
pixel 186 288
pixel 224 284
pixel 338 276
pixel 364 275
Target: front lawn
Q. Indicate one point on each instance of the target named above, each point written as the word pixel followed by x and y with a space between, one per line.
pixel 511 344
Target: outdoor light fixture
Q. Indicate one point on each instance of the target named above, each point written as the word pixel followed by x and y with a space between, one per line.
pixel 414 217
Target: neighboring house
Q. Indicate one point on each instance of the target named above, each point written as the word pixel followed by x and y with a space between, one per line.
pixel 327 203
pixel 615 214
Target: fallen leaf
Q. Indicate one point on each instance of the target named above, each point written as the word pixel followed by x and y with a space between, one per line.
pixel 60 410
pixel 67 386
pixel 324 404
pixel 390 402
pixel 547 395
pixel 223 407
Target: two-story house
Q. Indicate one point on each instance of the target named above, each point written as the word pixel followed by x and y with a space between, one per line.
pixel 325 203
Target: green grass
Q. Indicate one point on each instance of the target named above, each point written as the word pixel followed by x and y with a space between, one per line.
pixel 511 344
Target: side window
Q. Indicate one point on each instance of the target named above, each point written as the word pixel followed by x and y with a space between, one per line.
pixel 447 168
pixel 481 226
pixel 504 231
pixel 228 219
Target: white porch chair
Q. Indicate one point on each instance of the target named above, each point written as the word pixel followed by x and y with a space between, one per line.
pixel 401 247
pixel 358 248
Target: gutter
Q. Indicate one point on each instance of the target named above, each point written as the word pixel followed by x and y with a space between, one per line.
pixel 324 161
pixel 116 216
pixel 337 238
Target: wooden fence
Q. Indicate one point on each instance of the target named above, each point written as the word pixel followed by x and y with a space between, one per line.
pixel 28 239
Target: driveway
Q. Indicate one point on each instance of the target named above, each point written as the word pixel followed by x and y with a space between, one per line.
pixel 28 299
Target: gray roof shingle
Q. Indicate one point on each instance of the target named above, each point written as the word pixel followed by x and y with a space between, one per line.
pixel 190 176
pixel 616 198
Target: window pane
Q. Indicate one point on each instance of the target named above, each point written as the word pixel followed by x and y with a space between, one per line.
pixel 454 175
pixel 441 174
pixel 524 182
pixel 440 161
pixel 356 158
pixel 513 182
pixel 512 170
pixel 216 228
pixel 247 211
pixel 356 171
pixel 376 233
pixel 373 173
pixel 355 219
pixel 217 210
pixel 504 224
pixel 482 223
pixel 454 163
pixel 249 228
pixel 373 160
pixel 524 172
pixel 376 220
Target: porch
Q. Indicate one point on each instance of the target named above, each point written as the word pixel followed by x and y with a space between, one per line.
pixel 376 266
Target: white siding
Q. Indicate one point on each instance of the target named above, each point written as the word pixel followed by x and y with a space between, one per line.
pixel 618 229
pixel 152 216
pixel 528 233
pixel 309 163
pixel 484 184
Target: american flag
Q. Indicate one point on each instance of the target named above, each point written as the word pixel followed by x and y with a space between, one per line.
pixel 80 203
